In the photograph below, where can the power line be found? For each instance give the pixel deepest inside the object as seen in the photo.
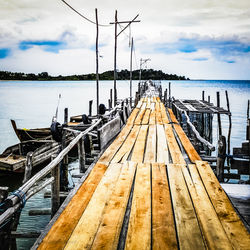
(103, 25)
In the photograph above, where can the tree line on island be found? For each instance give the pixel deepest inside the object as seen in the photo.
(107, 75)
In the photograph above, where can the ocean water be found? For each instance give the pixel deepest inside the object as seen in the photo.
(32, 104)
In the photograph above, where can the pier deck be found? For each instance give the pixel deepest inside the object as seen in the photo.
(149, 189)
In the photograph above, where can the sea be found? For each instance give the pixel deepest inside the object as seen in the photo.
(32, 104)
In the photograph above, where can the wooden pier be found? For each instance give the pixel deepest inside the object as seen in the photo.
(148, 190)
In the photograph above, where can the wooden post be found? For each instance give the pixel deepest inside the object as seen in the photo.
(131, 66)
(90, 107)
(28, 167)
(221, 158)
(111, 97)
(229, 128)
(81, 155)
(208, 98)
(66, 115)
(218, 115)
(169, 95)
(203, 95)
(248, 122)
(55, 188)
(110, 104)
(97, 63)
(115, 97)
(64, 167)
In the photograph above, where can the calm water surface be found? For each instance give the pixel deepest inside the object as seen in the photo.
(33, 104)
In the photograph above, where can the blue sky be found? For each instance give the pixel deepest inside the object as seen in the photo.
(198, 39)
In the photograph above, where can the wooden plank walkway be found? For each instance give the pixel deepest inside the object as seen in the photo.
(149, 189)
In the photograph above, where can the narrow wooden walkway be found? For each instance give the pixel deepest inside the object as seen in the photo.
(149, 189)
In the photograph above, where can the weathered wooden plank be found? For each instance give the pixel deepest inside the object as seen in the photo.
(139, 117)
(144, 105)
(188, 230)
(210, 224)
(145, 119)
(108, 233)
(163, 226)
(189, 148)
(232, 224)
(83, 235)
(152, 119)
(152, 105)
(140, 144)
(162, 148)
(127, 145)
(164, 116)
(65, 226)
(132, 117)
(150, 151)
(109, 131)
(172, 116)
(115, 146)
(139, 229)
(173, 146)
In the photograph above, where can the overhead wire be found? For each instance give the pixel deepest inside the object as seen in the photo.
(103, 25)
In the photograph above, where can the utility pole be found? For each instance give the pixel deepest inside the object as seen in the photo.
(115, 49)
(97, 64)
(131, 56)
(142, 62)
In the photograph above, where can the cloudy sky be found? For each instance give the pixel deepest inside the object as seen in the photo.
(201, 39)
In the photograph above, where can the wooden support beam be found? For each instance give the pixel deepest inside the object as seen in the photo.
(221, 158)
(55, 189)
(81, 155)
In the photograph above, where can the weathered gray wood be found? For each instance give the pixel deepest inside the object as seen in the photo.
(90, 107)
(229, 128)
(221, 158)
(81, 155)
(109, 131)
(15, 234)
(42, 211)
(218, 114)
(97, 62)
(28, 167)
(66, 115)
(55, 188)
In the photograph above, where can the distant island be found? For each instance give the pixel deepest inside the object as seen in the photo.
(107, 75)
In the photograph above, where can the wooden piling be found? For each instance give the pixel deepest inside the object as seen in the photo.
(221, 158)
(203, 95)
(64, 166)
(97, 62)
(81, 155)
(90, 107)
(169, 95)
(66, 115)
(229, 128)
(28, 167)
(111, 97)
(218, 114)
(55, 188)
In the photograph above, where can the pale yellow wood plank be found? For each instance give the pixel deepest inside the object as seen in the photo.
(150, 151)
(152, 120)
(127, 145)
(232, 224)
(144, 105)
(146, 116)
(139, 229)
(162, 148)
(173, 146)
(84, 233)
(163, 226)
(152, 106)
(189, 148)
(188, 230)
(140, 144)
(115, 146)
(164, 116)
(209, 221)
(139, 117)
(108, 233)
(65, 226)
(132, 117)
(172, 116)
(139, 104)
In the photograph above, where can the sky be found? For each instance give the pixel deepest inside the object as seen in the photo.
(199, 39)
